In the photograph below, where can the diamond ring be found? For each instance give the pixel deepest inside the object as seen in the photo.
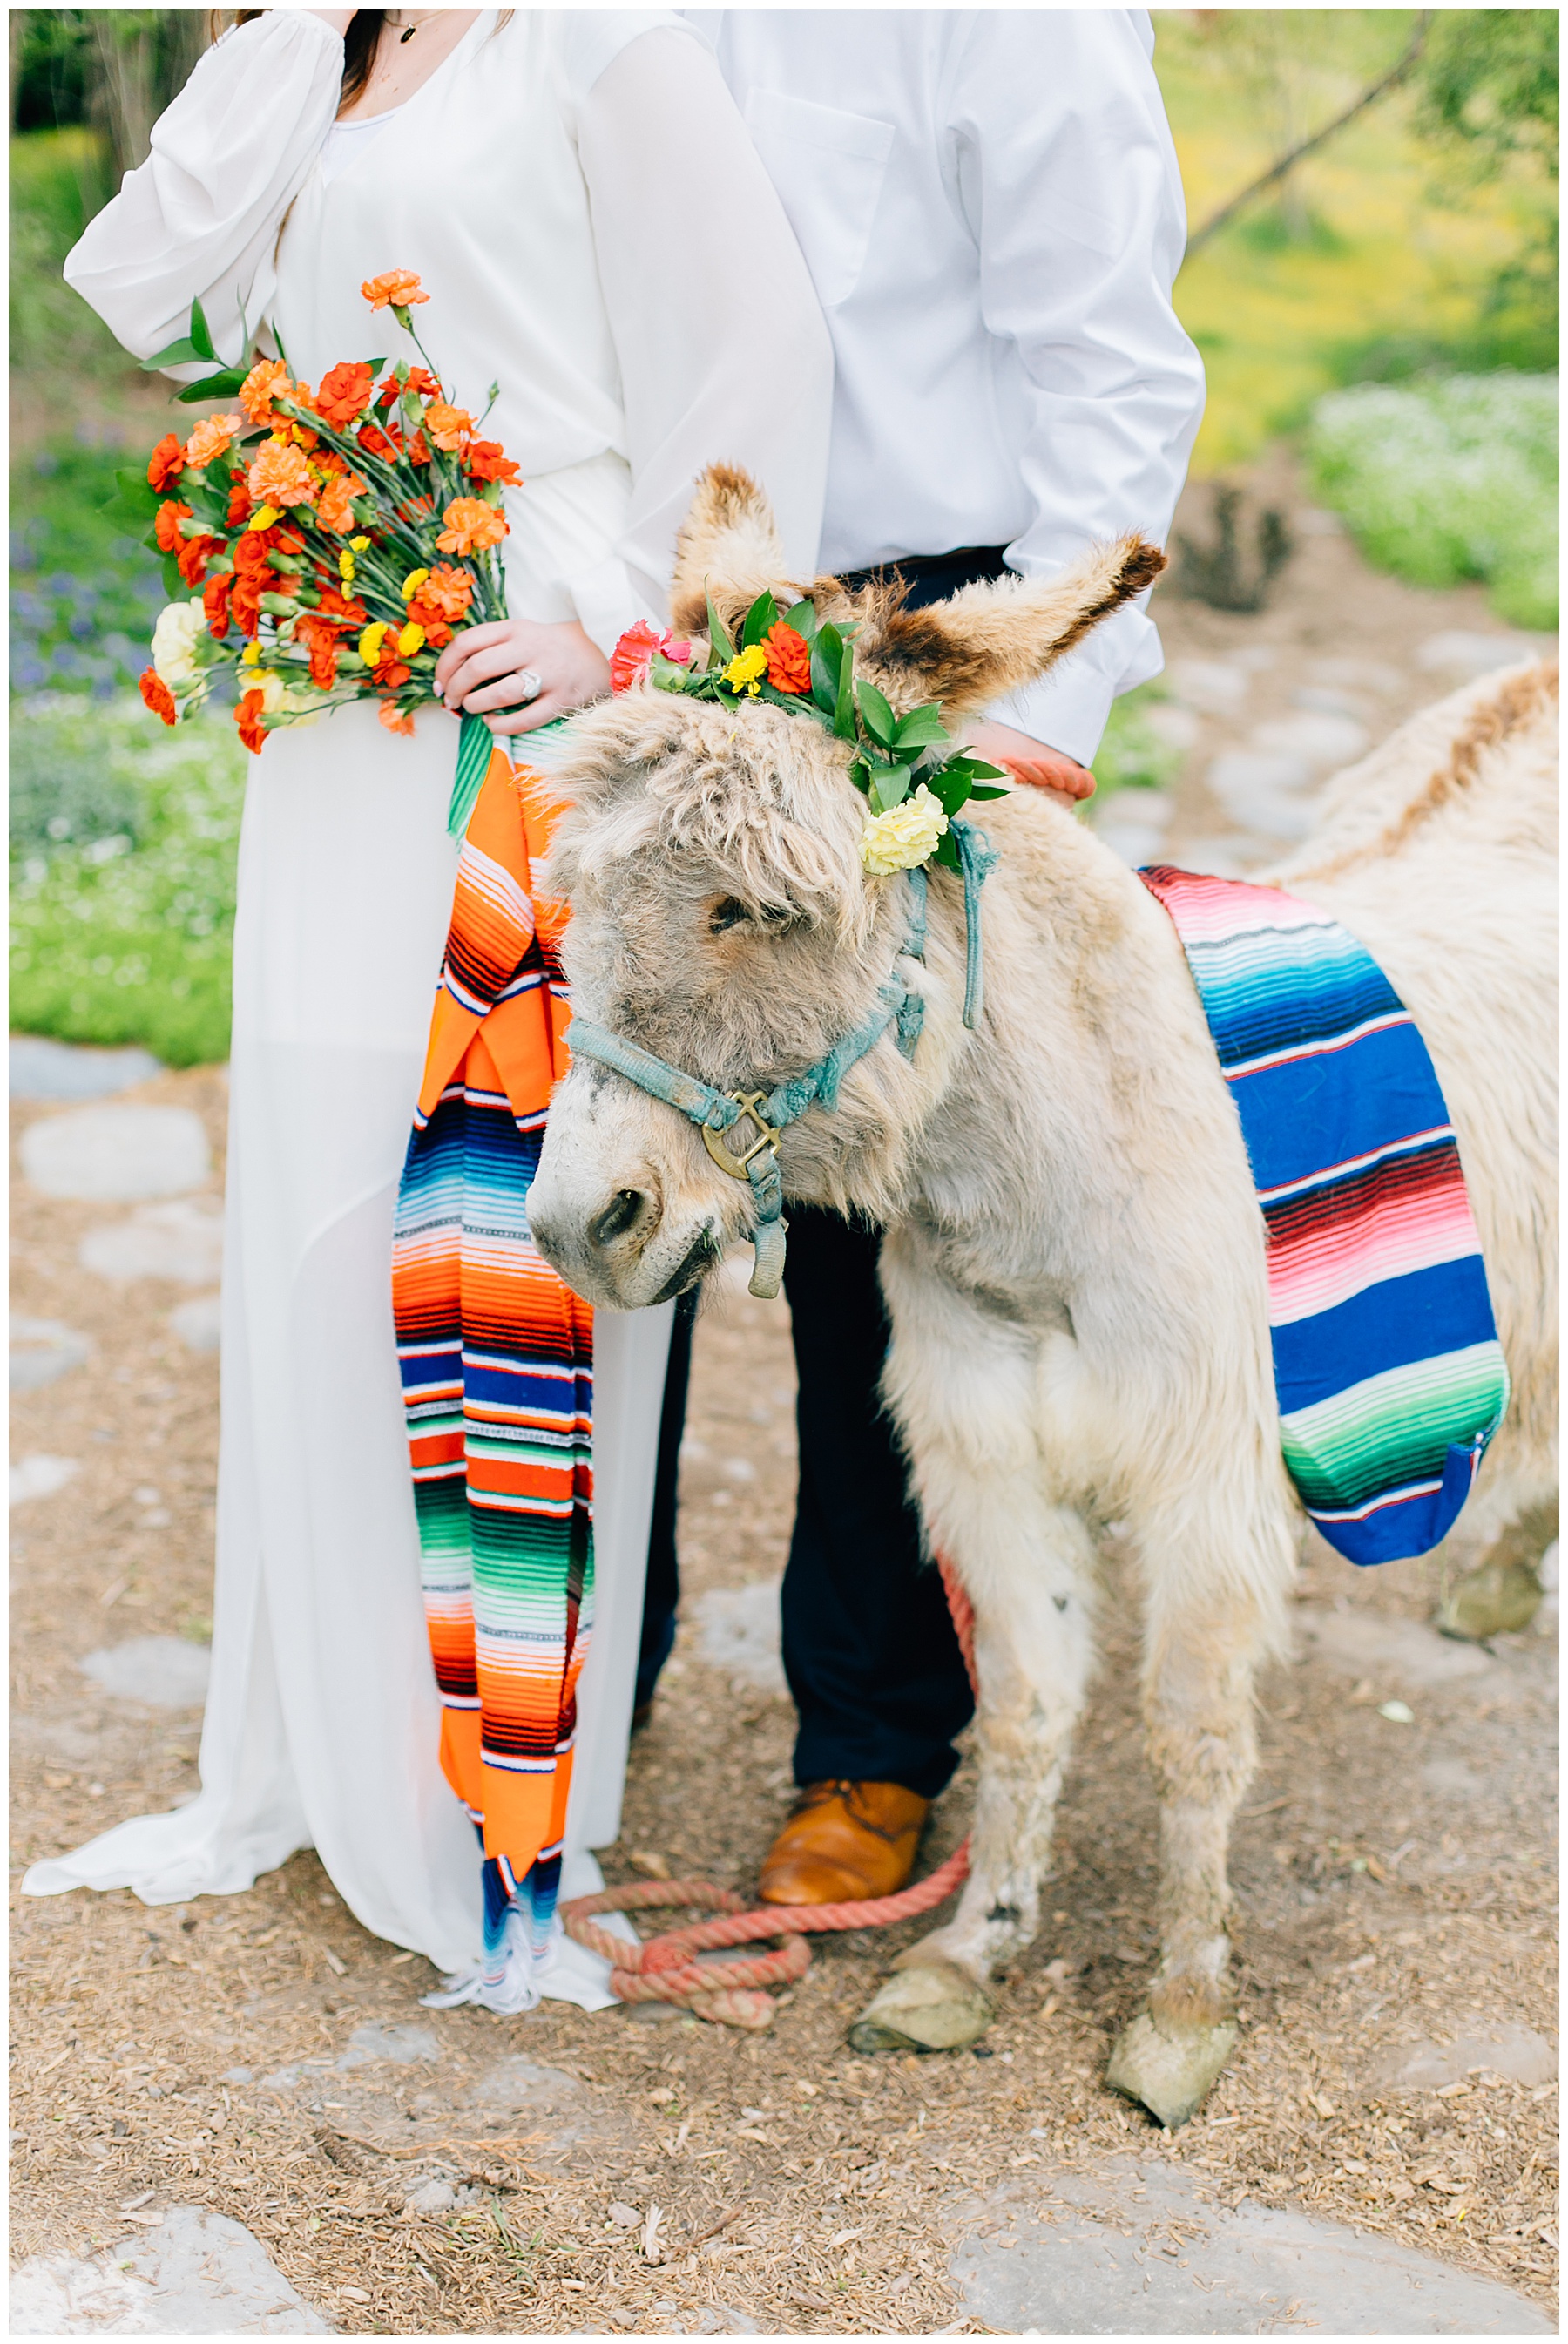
(530, 683)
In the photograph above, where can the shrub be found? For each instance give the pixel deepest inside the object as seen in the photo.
(1450, 479)
(124, 845)
(1133, 755)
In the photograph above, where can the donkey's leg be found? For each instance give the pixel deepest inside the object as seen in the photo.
(965, 1393)
(1210, 1622)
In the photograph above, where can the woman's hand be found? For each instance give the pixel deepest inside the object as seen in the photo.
(486, 672)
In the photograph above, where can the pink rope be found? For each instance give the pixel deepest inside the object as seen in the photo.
(666, 1969)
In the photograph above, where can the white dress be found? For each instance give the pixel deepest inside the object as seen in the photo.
(594, 232)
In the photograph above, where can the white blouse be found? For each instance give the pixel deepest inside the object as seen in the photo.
(596, 234)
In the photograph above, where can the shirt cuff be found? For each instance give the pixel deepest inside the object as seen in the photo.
(604, 601)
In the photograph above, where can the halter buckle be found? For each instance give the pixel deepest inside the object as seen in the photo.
(751, 1105)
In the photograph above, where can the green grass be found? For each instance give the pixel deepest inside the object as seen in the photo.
(124, 839)
(1133, 756)
(1451, 479)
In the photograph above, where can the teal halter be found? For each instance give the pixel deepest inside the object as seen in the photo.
(715, 1112)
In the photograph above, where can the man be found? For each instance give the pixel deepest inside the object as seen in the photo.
(990, 208)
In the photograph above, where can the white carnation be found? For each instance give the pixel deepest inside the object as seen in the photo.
(180, 627)
(905, 835)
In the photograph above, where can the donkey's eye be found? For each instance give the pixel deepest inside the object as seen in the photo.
(772, 920)
(729, 912)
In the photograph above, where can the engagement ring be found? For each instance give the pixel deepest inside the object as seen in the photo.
(530, 682)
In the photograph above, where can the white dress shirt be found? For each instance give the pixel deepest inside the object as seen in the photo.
(990, 206)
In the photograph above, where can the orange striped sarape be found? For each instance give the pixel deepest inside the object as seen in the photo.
(496, 1357)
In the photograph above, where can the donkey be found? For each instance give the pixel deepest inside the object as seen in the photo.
(1074, 1256)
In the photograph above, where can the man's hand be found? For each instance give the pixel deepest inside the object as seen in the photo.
(483, 672)
(1066, 781)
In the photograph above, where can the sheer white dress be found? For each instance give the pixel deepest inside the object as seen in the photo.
(596, 234)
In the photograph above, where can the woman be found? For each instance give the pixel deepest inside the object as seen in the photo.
(594, 232)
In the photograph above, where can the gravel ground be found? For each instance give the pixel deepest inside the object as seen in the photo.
(1393, 1879)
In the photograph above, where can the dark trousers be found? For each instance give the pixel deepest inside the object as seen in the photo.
(870, 1648)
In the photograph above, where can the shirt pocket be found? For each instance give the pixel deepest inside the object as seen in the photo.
(828, 167)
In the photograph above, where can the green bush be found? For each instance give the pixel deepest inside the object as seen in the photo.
(1132, 755)
(1450, 479)
(124, 845)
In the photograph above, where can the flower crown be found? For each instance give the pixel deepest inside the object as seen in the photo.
(805, 665)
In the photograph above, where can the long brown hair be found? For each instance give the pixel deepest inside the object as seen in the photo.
(359, 43)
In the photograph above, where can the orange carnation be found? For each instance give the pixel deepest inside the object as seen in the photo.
(449, 590)
(167, 525)
(268, 381)
(319, 638)
(470, 526)
(239, 505)
(396, 288)
(376, 443)
(335, 511)
(194, 555)
(345, 393)
(214, 596)
(158, 695)
(247, 722)
(421, 383)
(395, 718)
(788, 659)
(486, 459)
(448, 427)
(166, 462)
(280, 475)
(210, 438)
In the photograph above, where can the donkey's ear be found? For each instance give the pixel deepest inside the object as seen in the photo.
(993, 638)
(728, 547)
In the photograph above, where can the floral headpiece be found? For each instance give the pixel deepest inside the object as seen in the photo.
(805, 665)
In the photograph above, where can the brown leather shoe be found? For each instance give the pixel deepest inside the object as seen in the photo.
(843, 1841)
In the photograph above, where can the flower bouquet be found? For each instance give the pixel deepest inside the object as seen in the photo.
(914, 780)
(338, 537)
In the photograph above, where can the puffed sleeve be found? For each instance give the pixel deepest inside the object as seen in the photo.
(200, 218)
(1069, 178)
(723, 352)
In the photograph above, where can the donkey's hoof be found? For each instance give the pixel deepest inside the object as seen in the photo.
(930, 2006)
(1494, 1600)
(1169, 2069)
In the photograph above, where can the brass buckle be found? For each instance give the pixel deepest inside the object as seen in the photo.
(751, 1103)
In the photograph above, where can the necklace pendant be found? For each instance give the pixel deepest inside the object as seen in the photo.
(406, 36)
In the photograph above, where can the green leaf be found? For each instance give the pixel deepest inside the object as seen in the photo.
(223, 385)
(719, 636)
(667, 675)
(194, 346)
(827, 654)
(763, 614)
(860, 773)
(950, 789)
(134, 501)
(175, 586)
(983, 790)
(844, 710)
(199, 334)
(889, 787)
(802, 617)
(945, 852)
(924, 724)
(879, 716)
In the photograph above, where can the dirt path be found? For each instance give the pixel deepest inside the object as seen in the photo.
(1395, 1879)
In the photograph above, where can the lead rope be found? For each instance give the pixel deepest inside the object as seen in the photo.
(666, 1969)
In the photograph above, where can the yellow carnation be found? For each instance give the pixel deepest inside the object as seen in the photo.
(370, 642)
(409, 640)
(346, 566)
(412, 583)
(904, 837)
(746, 671)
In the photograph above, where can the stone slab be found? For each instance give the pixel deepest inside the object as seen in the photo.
(161, 1672)
(42, 1069)
(1382, 1645)
(401, 2046)
(1461, 654)
(1490, 2047)
(1085, 2258)
(123, 1152)
(43, 1349)
(198, 1323)
(182, 1242)
(1216, 687)
(1319, 739)
(40, 1476)
(741, 1632)
(197, 2274)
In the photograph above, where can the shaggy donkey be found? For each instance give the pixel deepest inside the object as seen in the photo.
(1074, 1260)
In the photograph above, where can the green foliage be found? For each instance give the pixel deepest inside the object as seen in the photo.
(1444, 481)
(1132, 755)
(1487, 82)
(85, 590)
(124, 843)
(59, 178)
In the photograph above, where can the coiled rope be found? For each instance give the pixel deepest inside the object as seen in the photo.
(734, 1994)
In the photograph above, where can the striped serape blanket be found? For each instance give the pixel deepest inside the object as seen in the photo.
(497, 1359)
(1389, 1376)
